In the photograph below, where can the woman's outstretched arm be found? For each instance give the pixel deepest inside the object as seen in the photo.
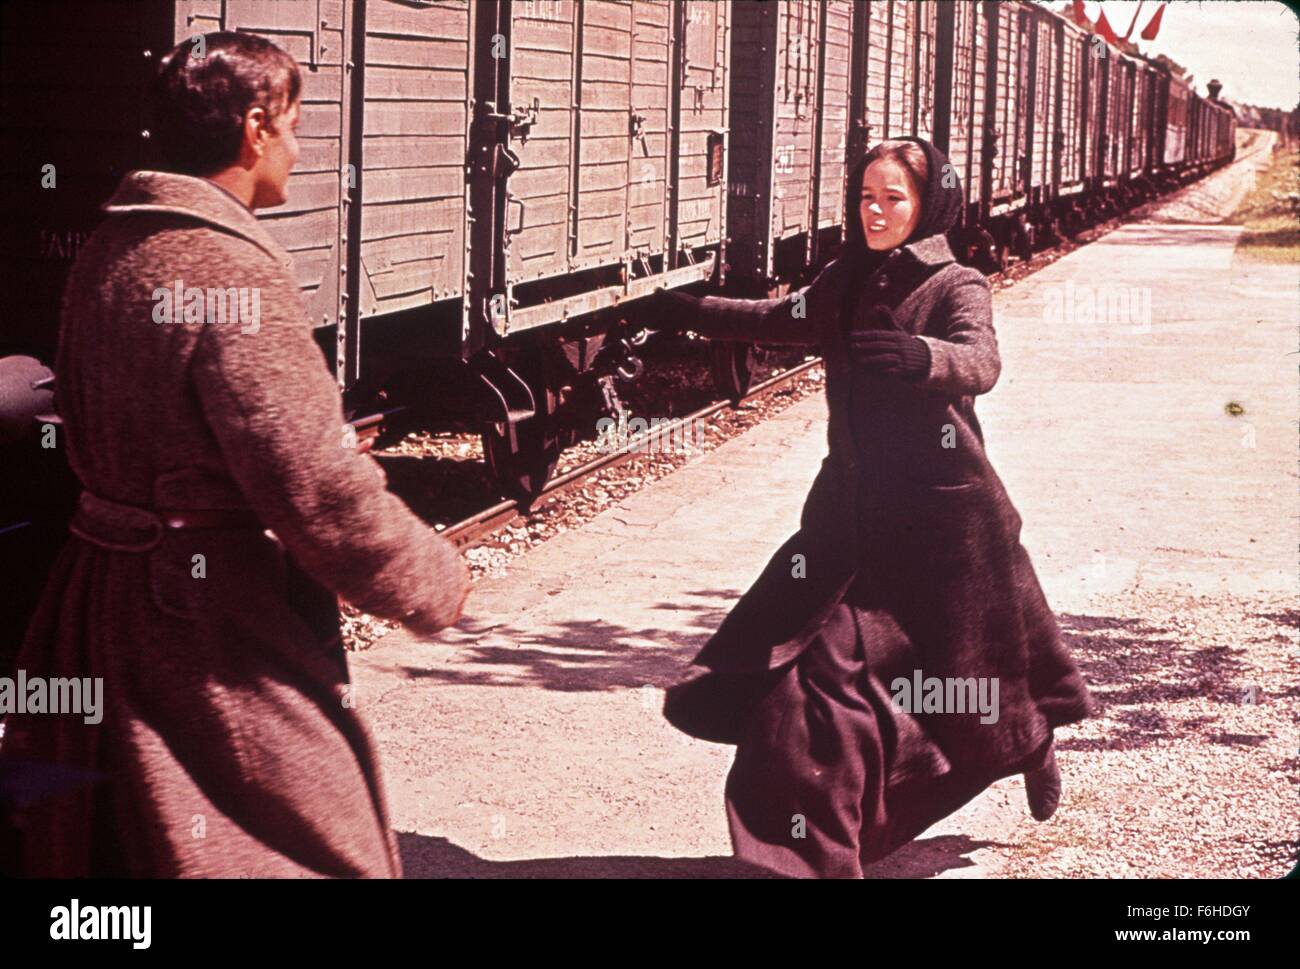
(964, 358)
(791, 320)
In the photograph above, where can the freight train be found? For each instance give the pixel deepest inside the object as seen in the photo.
(488, 190)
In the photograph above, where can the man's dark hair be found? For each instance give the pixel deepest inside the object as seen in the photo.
(205, 86)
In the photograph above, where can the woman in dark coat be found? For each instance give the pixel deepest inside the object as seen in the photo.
(907, 570)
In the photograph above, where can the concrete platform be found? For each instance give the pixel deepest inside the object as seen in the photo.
(528, 742)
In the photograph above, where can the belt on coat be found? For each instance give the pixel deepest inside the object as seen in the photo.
(129, 528)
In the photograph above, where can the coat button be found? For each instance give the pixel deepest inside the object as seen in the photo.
(882, 282)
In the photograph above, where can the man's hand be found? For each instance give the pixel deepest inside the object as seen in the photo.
(430, 621)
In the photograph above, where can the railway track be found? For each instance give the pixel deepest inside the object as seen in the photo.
(470, 531)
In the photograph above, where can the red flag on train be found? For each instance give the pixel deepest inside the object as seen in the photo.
(1153, 28)
(1103, 28)
(1080, 17)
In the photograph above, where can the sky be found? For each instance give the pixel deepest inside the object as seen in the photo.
(1249, 45)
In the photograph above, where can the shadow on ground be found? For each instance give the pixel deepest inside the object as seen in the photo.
(581, 655)
(1134, 666)
(426, 856)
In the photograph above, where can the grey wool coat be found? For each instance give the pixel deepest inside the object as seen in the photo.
(230, 742)
(905, 503)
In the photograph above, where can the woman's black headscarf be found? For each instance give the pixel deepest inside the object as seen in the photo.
(941, 206)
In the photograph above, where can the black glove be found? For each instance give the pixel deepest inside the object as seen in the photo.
(672, 310)
(889, 352)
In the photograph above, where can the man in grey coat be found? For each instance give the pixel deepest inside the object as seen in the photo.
(225, 504)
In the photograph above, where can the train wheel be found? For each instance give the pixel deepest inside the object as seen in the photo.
(521, 470)
(733, 368)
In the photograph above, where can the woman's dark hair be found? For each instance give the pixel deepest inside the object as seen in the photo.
(205, 86)
(909, 155)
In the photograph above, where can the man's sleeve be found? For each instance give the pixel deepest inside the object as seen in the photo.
(277, 415)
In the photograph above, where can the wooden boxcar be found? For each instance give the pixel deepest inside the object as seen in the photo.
(1044, 92)
(615, 114)
(1174, 121)
(893, 88)
(1008, 106)
(789, 115)
(1118, 89)
(962, 96)
(486, 188)
(480, 185)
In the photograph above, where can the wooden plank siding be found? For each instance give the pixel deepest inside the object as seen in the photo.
(605, 146)
(542, 66)
(884, 87)
(307, 224)
(593, 188)
(417, 64)
(1143, 118)
(966, 124)
(1093, 67)
(701, 213)
(900, 77)
(782, 184)
(834, 120)
(922, 90)
(750, 162)
(795, 119)
(1008, 65)
(897, 49)
(588, 193)
(1124, 116)
(1070, 141)
(1175, 137)
(1117, 114)
(647, 210)
(1045, 95)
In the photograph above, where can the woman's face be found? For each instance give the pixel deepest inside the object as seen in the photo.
(890, 206)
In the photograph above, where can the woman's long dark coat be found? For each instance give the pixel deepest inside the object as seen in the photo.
(907, 502)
